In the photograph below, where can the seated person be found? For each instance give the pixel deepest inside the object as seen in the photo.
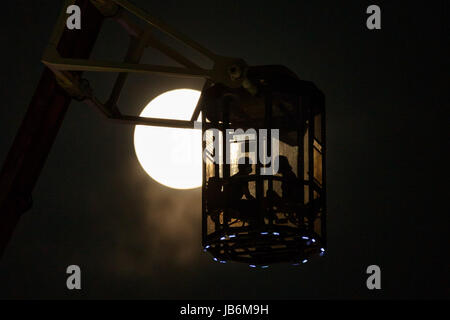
(236, 190)
(290, 186)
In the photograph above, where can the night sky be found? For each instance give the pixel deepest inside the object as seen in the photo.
(387, 102)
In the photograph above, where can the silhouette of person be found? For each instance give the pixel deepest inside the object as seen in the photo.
(289, 184)
(237, 189)
(240, 187)
(291, 187)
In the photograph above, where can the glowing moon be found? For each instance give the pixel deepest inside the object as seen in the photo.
(171, 156)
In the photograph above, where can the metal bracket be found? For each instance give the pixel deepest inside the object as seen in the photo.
(228, 71)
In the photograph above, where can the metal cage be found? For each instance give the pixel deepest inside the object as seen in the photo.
(280, 216)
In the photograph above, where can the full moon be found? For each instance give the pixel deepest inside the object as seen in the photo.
(171, 156)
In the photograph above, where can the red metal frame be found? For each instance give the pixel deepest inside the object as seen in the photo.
(40, 126)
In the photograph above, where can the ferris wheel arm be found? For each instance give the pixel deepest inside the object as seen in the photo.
(228, 71)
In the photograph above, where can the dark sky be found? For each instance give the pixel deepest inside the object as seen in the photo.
(387, 94)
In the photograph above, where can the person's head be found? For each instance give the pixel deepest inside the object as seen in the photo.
(244, 166)
(283, 164)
